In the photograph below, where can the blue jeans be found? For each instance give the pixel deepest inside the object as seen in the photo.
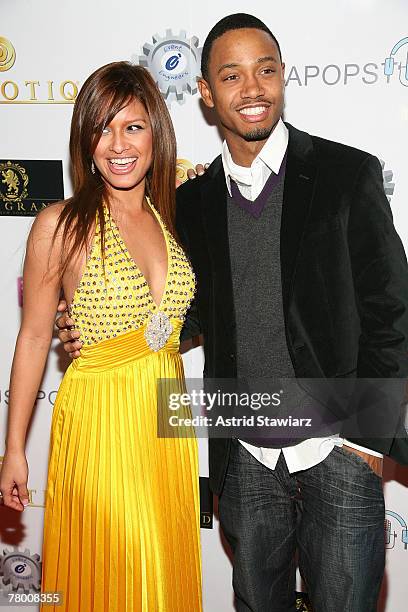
(332, 514)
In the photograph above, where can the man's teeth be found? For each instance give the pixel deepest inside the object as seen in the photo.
(256, 110)
(122, 161)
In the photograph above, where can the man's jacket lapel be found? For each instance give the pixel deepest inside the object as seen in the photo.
(297, 199)
(214, 200)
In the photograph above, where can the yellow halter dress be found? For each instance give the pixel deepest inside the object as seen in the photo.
(121, 526)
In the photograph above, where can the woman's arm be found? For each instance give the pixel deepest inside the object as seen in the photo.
(41, 291)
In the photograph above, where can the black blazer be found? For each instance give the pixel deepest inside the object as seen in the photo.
(344, 274)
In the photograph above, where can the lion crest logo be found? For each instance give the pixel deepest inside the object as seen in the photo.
(13, 182)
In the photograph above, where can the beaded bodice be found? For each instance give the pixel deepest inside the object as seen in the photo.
(115, 298)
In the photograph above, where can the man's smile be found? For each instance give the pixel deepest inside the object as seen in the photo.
(254, 113)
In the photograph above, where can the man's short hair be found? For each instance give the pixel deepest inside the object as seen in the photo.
(237, 21)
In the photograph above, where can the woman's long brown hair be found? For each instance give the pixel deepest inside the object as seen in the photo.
(103, 95)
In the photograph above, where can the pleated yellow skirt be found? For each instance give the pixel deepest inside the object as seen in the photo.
(121, 527)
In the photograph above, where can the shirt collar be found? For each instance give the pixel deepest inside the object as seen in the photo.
(271, 154)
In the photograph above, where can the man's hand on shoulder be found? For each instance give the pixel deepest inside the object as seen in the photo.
(199, 170)
(192, 173)
(70, 337)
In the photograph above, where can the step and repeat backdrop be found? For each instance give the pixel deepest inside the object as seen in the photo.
(346, 80)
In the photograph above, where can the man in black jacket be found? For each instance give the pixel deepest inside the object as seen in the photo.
(300, 275)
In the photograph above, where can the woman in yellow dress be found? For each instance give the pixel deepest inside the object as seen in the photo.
(121, 527)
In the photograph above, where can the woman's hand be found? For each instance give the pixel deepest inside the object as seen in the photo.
(13, 480)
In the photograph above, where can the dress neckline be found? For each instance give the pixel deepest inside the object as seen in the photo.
(132, 260)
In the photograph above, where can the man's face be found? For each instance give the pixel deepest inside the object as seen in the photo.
(245, 84)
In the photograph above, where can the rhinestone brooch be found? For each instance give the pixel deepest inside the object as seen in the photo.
(158, 330)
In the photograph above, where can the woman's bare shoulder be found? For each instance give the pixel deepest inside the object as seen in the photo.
(47, 219)
(49, 216)
(43, 230)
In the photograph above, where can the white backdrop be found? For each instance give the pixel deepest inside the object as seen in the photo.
(336, 88)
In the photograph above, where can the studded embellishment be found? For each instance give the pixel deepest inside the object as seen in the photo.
(158, 330)
(113, 297)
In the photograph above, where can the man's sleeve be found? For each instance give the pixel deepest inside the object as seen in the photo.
(191, 327)
(380, 276)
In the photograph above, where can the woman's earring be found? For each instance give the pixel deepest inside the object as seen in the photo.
(93, 167)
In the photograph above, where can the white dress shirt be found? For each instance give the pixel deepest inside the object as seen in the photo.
(250, 182)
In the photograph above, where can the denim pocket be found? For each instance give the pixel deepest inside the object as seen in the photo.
(356, 460)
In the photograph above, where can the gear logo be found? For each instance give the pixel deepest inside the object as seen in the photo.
(19, 570)
(174, 63)
(389, 186)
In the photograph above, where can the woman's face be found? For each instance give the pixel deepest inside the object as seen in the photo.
(124, 152)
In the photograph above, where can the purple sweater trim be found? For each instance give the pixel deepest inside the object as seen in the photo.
(256, 207)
